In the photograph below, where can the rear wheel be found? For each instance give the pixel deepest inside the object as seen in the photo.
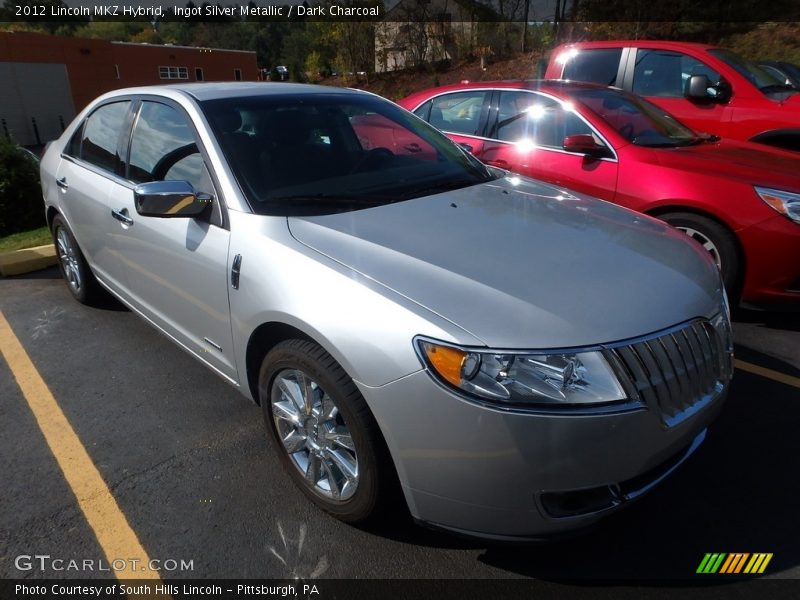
(326, 436)
(80, 280)
(717, 240)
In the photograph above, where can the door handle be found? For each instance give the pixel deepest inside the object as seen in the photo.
(466, 147)
(122, 216)
(62, 183)
(503, 164)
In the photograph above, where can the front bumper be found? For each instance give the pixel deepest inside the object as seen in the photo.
(773, 269)
(501, 475)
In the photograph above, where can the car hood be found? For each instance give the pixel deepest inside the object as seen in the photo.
(754, 164)
(519, 264)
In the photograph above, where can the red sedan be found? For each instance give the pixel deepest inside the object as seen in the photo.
(740, 200)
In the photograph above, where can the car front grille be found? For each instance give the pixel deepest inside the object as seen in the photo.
(676, 372)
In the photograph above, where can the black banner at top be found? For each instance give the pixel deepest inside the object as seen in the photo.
(531, 11)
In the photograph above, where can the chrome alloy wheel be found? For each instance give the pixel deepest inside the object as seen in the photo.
(703, 240)
(67, 255)
(314, 435)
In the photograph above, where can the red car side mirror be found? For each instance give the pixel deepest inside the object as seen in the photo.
(584, 143)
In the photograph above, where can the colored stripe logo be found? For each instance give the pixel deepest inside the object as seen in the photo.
(733, 563)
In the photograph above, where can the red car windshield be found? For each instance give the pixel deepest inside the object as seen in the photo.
(636, 120)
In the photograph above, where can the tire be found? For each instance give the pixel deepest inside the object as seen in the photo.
(357, 465)
(719, 242)
(80, 280)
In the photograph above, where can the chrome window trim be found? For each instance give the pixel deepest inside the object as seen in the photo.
(614, 159)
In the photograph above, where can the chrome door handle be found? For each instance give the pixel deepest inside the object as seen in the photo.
(62, 183)
(122, 216)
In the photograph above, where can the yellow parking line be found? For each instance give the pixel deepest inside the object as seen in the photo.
(114, 534)
(768, 373)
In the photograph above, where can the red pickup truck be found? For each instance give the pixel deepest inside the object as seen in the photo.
(708, 88)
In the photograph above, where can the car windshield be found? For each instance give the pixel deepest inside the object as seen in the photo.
(635, 119)
(761, 78)
(323, 153)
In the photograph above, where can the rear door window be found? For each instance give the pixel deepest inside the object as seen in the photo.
(100, 136)
(596, 65)
(459, 112)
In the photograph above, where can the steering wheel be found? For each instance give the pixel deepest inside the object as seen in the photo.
(170, 159)
(372, 159)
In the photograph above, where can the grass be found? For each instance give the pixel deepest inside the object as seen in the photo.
(26, 239)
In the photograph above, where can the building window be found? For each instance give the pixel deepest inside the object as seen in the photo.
(173, 72)
(198, 74)
(237, 74)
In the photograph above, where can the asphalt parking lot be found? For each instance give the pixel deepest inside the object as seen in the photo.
(185, 459)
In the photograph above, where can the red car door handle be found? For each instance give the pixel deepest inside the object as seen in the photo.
(503, 164)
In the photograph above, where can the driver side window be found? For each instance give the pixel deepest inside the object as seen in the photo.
(163, 149)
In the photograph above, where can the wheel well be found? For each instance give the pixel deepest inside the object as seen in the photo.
(50, 215)
(262, 340)
(787, 139)
(662, 210)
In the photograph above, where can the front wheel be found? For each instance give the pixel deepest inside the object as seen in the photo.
(326, 436)
(717, 240)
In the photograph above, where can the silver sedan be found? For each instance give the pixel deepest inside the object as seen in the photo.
(517, 360)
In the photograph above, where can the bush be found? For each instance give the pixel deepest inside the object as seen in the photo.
(21, 207)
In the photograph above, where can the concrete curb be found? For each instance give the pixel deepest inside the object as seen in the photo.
(18, 262)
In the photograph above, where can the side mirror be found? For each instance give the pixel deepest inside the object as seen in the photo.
(584, 143)
(169, 199)
(698, 87)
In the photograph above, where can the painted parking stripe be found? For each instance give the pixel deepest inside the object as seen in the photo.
(114, 534)
(768, 373)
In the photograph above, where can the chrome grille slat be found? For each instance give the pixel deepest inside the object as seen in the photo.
(656, 374)
(674, 371)
(694, 352)
(702, 343)
(687, 377)
(637, 374)
(714, 350)
(675, 375)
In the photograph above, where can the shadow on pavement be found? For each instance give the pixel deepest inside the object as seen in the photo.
(788, 321)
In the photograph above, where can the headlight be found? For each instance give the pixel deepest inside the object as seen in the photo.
(786, 203)
(548, 380)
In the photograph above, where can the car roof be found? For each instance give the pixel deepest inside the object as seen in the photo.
(554, 86)
(665, 44)
(235, 89)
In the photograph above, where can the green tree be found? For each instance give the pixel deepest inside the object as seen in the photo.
(20, 194)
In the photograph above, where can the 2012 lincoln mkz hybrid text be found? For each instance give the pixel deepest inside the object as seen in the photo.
(521, 359)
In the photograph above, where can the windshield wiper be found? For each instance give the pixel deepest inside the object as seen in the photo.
(438, 188)
(322, 198)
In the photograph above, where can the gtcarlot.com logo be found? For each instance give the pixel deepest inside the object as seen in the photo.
(44, 562)
(734, 563)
